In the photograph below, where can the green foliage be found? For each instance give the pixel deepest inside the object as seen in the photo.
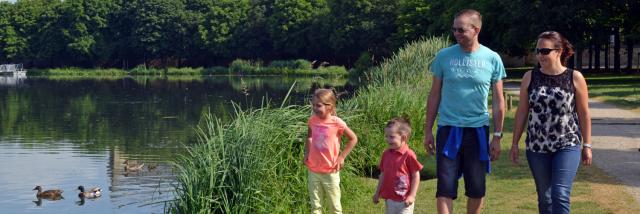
(397, 87)
(291, 64)
(166, 33)
(244, 66)
(253, 164)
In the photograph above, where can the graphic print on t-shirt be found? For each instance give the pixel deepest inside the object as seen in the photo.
(401, 186)
(466, 67)
(319, 136)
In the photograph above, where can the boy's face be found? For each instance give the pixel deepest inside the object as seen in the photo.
(395, 139)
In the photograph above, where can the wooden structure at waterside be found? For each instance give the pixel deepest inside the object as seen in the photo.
(12, 69)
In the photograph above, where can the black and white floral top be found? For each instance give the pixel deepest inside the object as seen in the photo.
(553, 120)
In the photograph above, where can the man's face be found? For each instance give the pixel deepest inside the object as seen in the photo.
(463, 30)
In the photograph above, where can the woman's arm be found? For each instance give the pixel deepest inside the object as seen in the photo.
(521, 116)
(582, 107)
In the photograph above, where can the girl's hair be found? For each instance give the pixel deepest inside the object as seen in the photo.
(559, 42)
(326, 97)
(400, 124)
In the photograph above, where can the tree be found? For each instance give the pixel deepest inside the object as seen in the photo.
(157, 29)
(9, 40)
(361, 25)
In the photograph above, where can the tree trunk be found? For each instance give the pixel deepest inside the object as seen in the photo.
(606, 55)
(591, 55)
(629, 55)
(597, 56)
(570, 62)
(616, 50)
(579, 51)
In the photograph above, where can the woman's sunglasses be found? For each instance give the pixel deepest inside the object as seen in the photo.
(545, 51)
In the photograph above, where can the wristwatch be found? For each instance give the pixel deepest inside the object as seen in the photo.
(497, 134)
(588, 145)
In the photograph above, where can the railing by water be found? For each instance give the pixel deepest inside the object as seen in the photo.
(15, 69)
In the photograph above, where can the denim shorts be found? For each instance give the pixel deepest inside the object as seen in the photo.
(467, 164)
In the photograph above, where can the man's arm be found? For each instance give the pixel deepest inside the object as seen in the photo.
(498, 118)
(432, 110)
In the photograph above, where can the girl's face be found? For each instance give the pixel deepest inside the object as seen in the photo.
(320, 109)
(546, 52)
(394, 138)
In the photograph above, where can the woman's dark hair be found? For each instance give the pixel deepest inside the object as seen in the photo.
(559, 42)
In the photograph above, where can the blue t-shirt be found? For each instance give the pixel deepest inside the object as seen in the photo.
(466, 80)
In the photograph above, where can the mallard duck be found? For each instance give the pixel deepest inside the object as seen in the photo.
(53, 193)
(132, 167)
(92, 193)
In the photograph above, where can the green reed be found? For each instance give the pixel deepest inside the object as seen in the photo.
(253, 163)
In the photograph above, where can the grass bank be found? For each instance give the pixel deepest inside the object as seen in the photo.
(298, 67)
(254, 163)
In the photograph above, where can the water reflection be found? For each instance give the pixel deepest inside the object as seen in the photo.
(65, 132)
(12, 80)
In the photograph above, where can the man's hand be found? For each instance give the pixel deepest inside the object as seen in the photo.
(495, 149)
(429, 144)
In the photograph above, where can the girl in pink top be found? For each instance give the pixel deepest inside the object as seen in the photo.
(322, 154)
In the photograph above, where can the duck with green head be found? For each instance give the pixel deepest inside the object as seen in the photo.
(92, 193)
(133, 167)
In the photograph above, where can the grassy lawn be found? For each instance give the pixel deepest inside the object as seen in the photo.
(510, 188)
(623, 91)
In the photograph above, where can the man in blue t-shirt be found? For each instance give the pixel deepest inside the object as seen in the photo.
(462, 76)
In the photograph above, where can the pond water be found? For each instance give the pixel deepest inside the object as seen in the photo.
(60, 133)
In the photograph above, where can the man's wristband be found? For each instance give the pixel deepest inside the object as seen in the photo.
(497, 134)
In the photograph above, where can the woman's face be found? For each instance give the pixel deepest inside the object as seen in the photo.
(546, 52)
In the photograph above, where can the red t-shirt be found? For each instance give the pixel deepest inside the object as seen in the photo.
(397, 166)
(325, 143)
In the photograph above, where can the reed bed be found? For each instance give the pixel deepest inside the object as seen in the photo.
(253, 163)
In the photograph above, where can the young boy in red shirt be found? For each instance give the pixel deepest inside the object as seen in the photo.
(399, 169)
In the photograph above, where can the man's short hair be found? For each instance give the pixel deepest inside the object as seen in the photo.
(476, 17)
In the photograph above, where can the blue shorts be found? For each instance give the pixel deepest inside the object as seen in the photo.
(467, 163)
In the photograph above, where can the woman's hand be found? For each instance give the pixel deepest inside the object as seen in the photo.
(514, 153)
(586, 156)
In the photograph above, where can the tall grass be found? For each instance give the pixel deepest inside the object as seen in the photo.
(398, 87)
(253, 164)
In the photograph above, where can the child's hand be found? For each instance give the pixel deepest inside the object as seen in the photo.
(409, 201)
(376, 198)
(339, 164)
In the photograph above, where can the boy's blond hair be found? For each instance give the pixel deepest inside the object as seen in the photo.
(400, 124)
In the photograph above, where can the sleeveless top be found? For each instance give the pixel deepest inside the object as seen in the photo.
(553, 119)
